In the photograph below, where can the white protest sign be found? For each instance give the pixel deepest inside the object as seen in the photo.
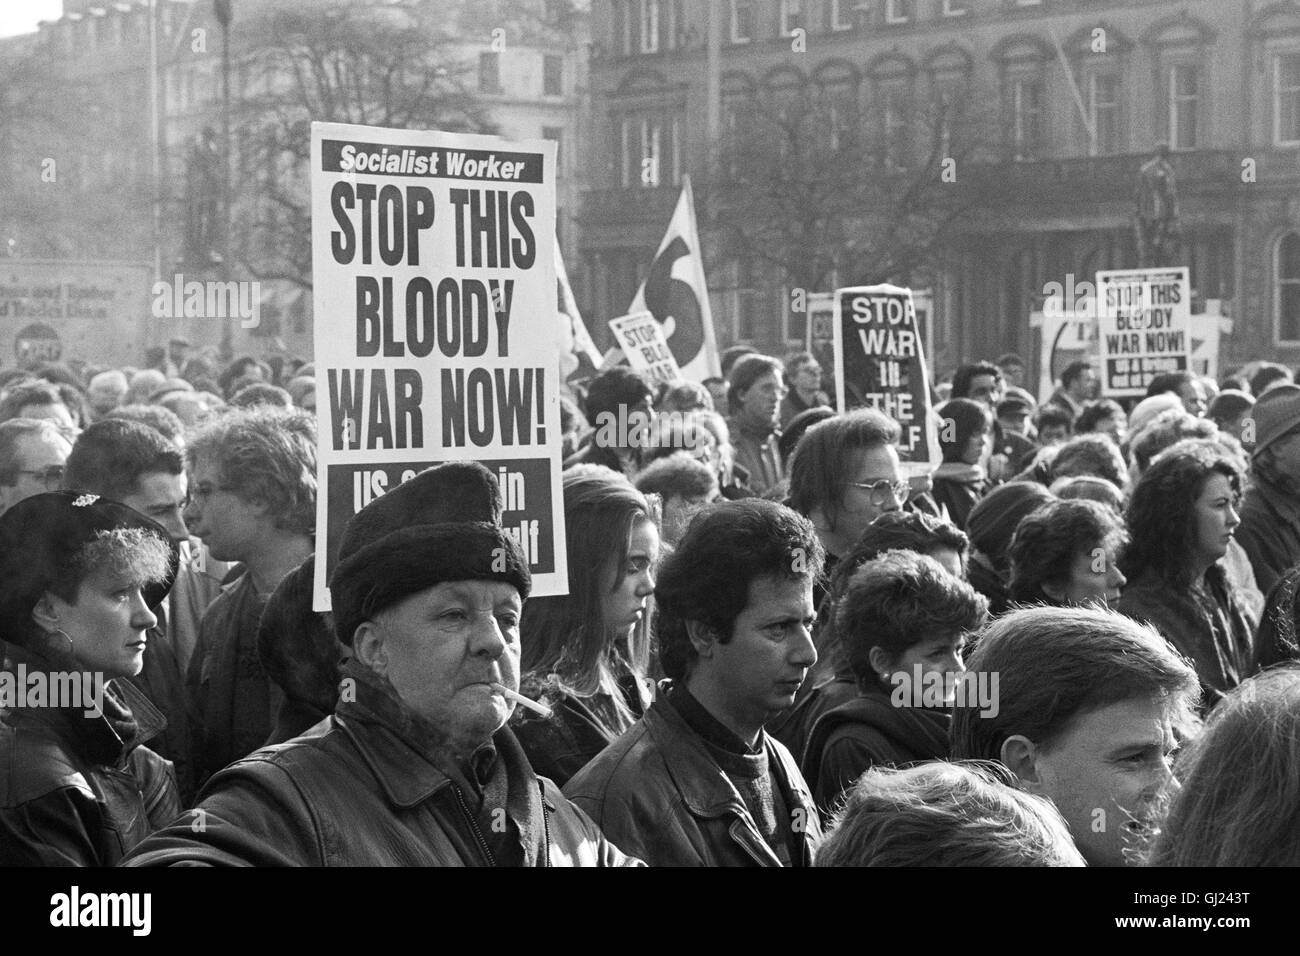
(1144, 327)
(434, 287)
(642, 340)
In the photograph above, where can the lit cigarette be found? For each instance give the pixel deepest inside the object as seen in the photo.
(523, 701)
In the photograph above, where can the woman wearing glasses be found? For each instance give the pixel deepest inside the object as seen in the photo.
(79, 575)
(32, 453)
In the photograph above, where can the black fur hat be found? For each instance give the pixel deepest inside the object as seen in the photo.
(442, 525)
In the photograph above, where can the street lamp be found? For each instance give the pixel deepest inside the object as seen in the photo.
(224, 12)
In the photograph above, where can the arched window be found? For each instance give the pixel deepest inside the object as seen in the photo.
(1286, 272)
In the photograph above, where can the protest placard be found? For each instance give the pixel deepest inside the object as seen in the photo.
(434, 291)
(642, 340)
(1143, 322)
(880, 362)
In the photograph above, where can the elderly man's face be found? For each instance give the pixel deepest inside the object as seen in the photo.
(38, 463)
(442, 648)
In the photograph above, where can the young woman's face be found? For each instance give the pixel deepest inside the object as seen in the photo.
(1094, 578)
(977, 446)
(630, 584)
(1215, 514)
(940, 655)
(106, 623)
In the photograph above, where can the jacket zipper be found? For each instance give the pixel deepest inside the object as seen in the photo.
(473, 825)
(546, 827)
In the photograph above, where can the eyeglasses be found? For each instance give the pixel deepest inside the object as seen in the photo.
(884, 490)
(50, 477)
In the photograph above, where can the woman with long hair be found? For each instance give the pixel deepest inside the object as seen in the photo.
(1239, 800)
(1181, 516)
(585, 655)
(79, 575)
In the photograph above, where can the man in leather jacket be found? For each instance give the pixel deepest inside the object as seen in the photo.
(416, 765)
(697, 781)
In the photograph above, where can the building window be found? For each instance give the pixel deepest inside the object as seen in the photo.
(1184, 100)
(742, 21)
(745, 301)
(898, 11)
(651, 151)
(489, 72)
(791, 16)
(1026, 103)
(954, 8)
(1287, 270)
(1286, 99)
(552, 75)
(896, 122)
(1103, 113)
(649, 26)
(842, 14)
(556, 133)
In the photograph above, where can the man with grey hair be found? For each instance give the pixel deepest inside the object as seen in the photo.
(252, 499)
(32, 455)
(105, 393)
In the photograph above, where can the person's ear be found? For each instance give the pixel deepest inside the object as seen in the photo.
(369, 648)
(880, 662)
(1021, 757)
(703, 638)
(46, 612)
(1054, 591)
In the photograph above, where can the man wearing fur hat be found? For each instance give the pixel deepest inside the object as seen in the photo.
(416, 766)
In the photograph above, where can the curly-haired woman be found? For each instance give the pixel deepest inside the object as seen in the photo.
(1181, 516)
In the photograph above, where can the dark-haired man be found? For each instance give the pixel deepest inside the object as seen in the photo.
(1078, 383)
(754, 397)
(618, 407)
(697, 781)
(1089, 707)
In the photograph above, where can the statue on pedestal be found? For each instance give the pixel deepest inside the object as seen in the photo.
(203, 200)
(1156, 222)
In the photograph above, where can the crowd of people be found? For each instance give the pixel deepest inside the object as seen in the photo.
(782, 645)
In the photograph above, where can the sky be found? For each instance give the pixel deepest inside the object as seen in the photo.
(21, 16)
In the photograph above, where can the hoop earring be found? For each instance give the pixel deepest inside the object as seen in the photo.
(72, 651)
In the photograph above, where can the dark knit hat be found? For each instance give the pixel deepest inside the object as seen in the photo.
(442, 525)
(41, 536)
(993, 520)
(1276, 413)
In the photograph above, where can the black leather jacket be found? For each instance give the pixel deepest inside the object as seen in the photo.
(78, 790)
(358, 790)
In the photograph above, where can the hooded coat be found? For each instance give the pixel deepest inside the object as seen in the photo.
(870, 731)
